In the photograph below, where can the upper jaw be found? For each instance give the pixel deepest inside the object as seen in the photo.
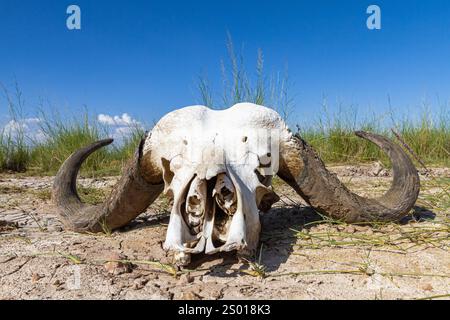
(225, 226)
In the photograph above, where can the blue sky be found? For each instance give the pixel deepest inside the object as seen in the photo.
(143, 57)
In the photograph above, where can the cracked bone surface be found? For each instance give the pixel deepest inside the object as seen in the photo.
(218, 165)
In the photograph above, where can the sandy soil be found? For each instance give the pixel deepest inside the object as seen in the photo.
(303, 256)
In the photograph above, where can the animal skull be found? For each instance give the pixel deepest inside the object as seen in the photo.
(217, 166)
(215, 173)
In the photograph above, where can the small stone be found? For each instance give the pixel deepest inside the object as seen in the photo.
(116, 264)
(54, 228)
(137, 286)
(190, 295)
(349, 229)
(427, 287)
(152, 277)
(361, 228)
(182, 259)
(57, 283)
(376, 169)
(185, 279)
(35, 277)
(139, 283)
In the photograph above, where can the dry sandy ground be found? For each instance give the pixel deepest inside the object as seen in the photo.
(302, 255)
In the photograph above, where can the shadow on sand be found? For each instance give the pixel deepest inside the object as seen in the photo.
(278, 238)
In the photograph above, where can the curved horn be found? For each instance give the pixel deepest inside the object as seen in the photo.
(130, 197)
(302, 169)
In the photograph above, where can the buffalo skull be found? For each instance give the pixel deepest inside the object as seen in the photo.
(217, 166)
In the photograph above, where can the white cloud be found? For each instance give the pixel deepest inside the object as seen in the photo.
(123, 120)
(105, 119)
(32, 120)
(26, 128)
(120, 126)
(14, 127)
(124, 130)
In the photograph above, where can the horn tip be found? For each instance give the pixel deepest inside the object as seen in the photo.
(107, 141)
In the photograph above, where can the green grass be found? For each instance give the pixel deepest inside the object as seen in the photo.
(336, 143)
(240, 85)
(14, 151)
(333, 137)
(92, 196)
(63, 137)
(14, 155)
(58, 138)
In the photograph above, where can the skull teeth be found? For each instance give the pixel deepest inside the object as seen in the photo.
(213, 202)
(196, 204)
(225, 194)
